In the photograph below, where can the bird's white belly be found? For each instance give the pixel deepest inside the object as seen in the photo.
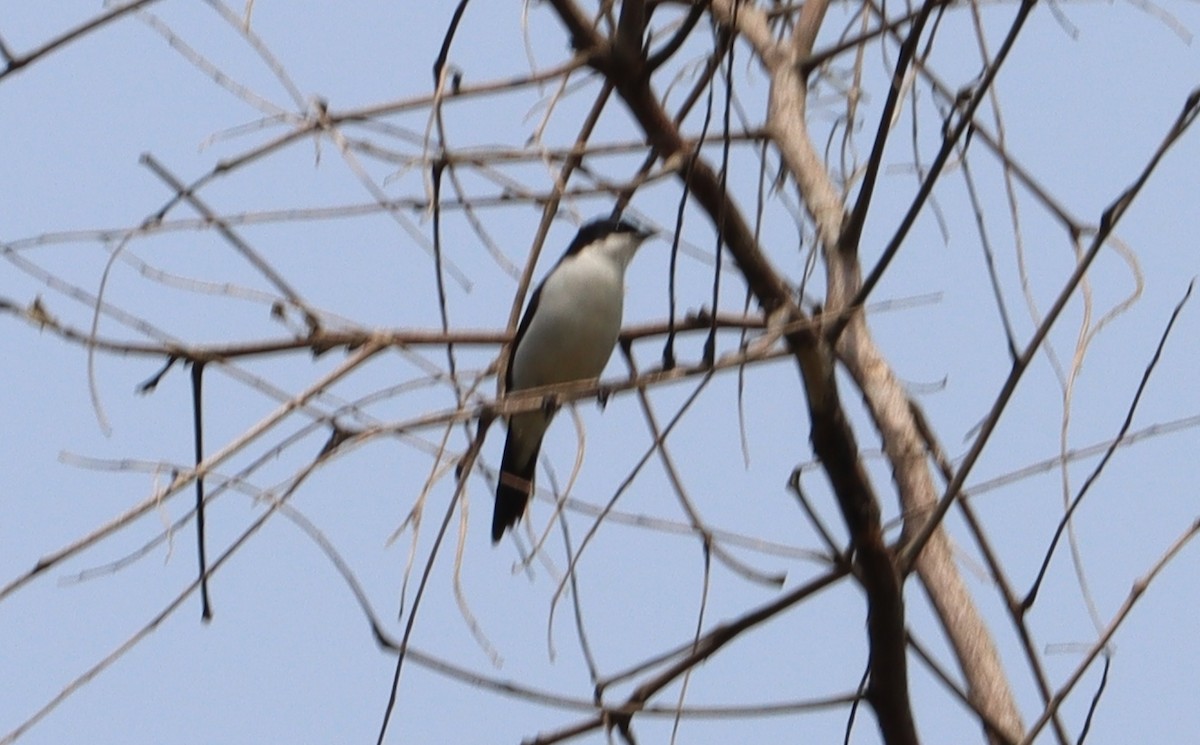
(574, 327)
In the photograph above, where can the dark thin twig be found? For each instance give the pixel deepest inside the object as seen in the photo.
(710, 544)
(1108, 223)
(444, 53)
(853, 227)
(1140, 585)
(706, 583)
(577, 608)
(668, 355)
(1095, 705)
(16, 62)
(198, 434)
(818, 58)
(709, 644)
(796, 485)
(167, 611)
(668, 50)
(935, 170)
(439, 273)
(1031, 596)
(989, 259)
(853, 713)
(434, 550)
(710, 344)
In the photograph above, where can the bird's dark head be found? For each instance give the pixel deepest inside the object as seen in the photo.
(616, 237)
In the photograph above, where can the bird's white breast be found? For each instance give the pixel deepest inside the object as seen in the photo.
(575, 324)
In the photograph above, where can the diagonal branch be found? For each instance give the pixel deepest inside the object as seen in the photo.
(832, 438)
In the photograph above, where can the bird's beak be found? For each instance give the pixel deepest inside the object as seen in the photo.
(645, 233)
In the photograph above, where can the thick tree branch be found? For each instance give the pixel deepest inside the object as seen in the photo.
(883, 394)
(832, 438)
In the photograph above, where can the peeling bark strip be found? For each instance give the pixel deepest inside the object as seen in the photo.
(622, 60)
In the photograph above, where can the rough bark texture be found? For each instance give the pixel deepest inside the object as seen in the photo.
(622, 60)
(883, 394)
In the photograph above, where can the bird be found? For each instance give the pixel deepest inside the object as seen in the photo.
(567, 334)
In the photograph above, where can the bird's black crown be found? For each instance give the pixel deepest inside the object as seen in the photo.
(601, 227)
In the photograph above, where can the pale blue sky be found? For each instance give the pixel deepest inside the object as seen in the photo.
(289, 656)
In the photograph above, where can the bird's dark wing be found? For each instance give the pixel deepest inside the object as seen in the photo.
(521, 329)
(510, 499)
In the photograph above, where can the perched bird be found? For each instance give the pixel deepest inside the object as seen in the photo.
(567, 334)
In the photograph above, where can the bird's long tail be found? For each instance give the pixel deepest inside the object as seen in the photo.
(512, 493)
